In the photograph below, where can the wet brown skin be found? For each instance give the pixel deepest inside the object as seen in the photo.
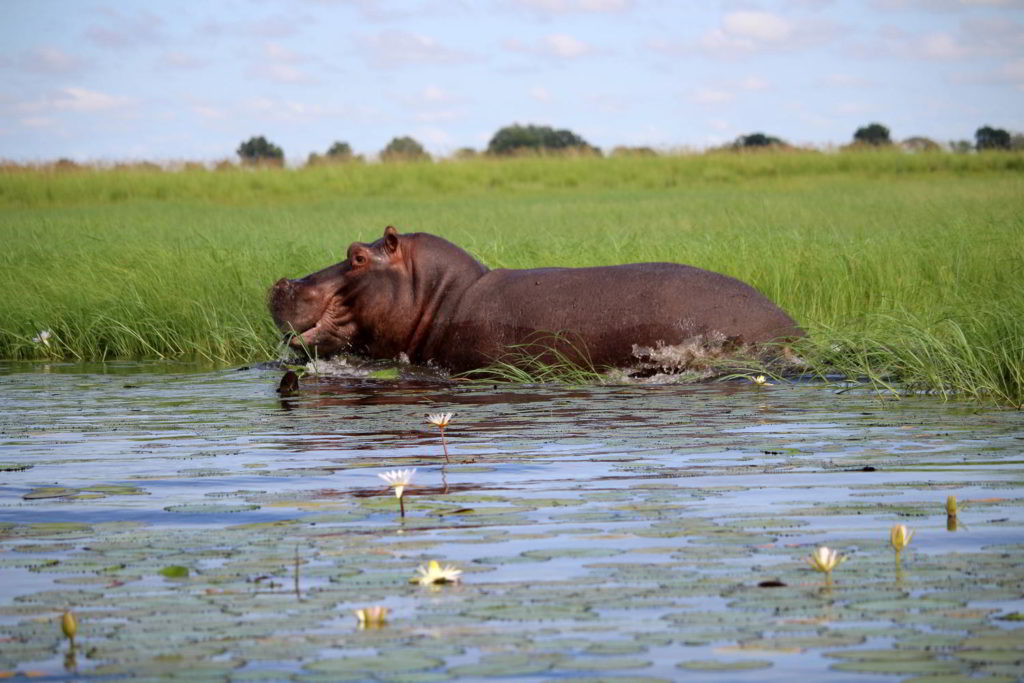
(419, 295)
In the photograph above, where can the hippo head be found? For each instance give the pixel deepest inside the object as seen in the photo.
(322, 313)
(376, 302)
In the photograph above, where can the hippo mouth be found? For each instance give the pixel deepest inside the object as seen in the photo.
(331, 332)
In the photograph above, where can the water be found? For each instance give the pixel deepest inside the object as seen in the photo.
(612, 533)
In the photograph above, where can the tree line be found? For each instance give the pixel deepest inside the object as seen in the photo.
(531, 139)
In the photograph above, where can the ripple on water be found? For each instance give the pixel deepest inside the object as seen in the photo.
(197, 523)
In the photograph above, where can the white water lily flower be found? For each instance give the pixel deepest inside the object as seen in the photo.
(761, 381)
(825, 559)
(399, 479)
(440, 419)
(43, 338)
(435, 573)
(899, 537)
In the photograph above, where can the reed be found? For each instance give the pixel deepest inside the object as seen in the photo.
(905, 269)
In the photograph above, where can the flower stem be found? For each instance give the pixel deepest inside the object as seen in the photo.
(445, 445)
(401, 504)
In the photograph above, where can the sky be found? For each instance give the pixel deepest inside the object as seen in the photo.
(133, 80)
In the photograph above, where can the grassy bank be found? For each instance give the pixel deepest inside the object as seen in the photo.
(904, 268)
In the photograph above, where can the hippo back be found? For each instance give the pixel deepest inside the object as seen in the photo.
(610, 311)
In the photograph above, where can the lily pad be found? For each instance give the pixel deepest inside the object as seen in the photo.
(45, 492)
(395, 662)
(209, 508)
(917, 666)
(722, 665)
(511, 664)
(882, 655)
(604, 664)
(175, 571)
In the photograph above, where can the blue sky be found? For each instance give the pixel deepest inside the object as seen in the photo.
(116, 80)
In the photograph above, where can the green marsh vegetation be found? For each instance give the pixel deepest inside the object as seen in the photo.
(904, 268)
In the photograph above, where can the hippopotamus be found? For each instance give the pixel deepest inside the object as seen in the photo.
(420, 298)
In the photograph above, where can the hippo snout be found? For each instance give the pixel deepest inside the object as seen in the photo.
(298, 305)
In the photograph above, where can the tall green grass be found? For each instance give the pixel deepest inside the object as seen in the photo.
(904, 268)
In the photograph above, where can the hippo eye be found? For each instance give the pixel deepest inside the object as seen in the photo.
(358, 260)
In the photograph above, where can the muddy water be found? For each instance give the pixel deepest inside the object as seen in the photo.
(200, 526)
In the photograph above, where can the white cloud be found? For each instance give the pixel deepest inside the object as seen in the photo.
(941, 46)
(208, 112)
(540, 94)
(758, 26)
(82, 100)
(275, 26)
(280, 64)
(279, 53)
(839, 80)
(38, 122)
(712, 96)
(999, 37)
(178, 59)
(570, 6)
(944, 5)
(434, 104)
(50, 60)
(973, 38)
(1011, 73)
(435, 137)
(853, 108)
(282, 73)
(120, 31)
(610, 103)
(754, 83)
(1014, 72)
(433, 93)
(440, 116)
(747, 32)
(564, 45)
(393, 49)
(555, 46)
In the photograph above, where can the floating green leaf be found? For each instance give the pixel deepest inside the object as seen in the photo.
(175, 571)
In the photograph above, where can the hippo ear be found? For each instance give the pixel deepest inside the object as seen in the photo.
(390, 239)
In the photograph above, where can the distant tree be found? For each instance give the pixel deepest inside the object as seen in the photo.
(919, 143)
(466, 153)
(961, 146)
(872, 134)
(1017, 141)
(258, 150)
(623, 151)
(987, 137)
(515, 138)
(340, 151)
(404, 149)
(758, 140)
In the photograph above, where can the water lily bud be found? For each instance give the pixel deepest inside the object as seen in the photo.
(68, 625)
(372, 617)
(899, 537)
